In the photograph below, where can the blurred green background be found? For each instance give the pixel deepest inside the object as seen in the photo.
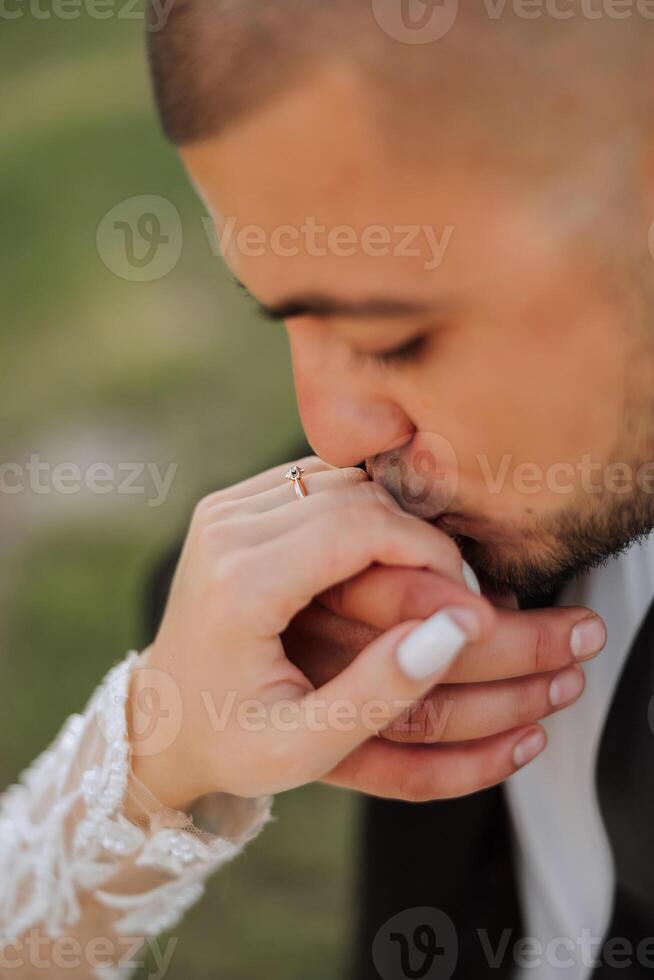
(99, 368)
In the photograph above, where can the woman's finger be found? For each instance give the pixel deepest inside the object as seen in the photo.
(280, 577)
(282, 493)
(239, 527)
(465, 712)
(267, 480)
(418, 773)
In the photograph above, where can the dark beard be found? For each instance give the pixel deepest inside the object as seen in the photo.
(567, 547)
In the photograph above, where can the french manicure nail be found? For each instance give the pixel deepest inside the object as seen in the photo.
(529, 747)
(471, 579)
(587, 638)
(566, 686)
(433, 645)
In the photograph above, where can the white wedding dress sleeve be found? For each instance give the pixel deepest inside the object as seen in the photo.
(73, 867)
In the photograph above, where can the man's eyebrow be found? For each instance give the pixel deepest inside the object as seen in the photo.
(319, 305)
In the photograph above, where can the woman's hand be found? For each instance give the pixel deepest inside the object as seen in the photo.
(218, 706)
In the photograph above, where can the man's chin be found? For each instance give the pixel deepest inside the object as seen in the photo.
(518, 561)
(510, 571)
(536, 558)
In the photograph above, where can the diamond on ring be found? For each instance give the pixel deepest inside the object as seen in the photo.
(295, 476)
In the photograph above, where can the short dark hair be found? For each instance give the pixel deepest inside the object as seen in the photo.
(213, 61)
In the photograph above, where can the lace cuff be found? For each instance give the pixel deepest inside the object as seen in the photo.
(71, 862)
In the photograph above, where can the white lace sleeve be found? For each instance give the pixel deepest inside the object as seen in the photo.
(74, 868)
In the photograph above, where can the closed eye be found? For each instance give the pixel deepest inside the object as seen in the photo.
(407, 353)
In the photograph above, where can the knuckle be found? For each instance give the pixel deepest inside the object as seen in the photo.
(212, 539)
(523, 702)
(424, 722)
(443, 715)
(223, 510)
(541, 646)
(204, 506)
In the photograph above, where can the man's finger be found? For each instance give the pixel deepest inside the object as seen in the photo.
(382, 597)
(418, 773)
(464, 712)
(523, 642)
(322, 645)
(532, 642)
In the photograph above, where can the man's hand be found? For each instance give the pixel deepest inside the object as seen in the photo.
(477, 728)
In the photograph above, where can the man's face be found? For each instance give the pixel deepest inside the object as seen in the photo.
(448, 324)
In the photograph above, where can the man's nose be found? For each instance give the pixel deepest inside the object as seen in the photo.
(346, 418)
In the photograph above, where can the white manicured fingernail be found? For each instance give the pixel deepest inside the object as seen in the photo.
(433, 645)
(471, 579)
